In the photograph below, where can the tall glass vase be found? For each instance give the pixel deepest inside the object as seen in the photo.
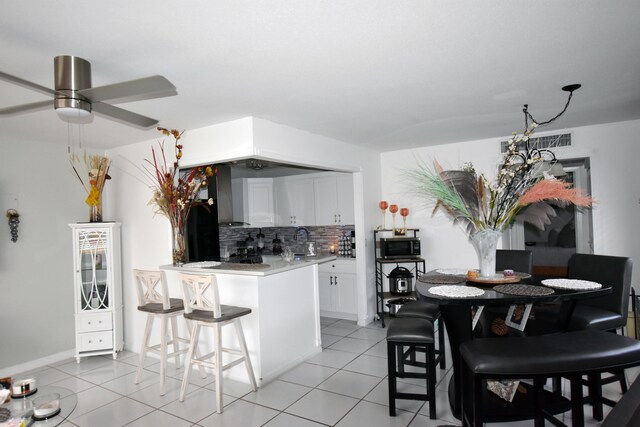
(485, 243)
(179, 246)
(95, 212)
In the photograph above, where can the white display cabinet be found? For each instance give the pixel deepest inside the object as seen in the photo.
(97, 289)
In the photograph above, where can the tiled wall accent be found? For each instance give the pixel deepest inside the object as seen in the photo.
(325, 236)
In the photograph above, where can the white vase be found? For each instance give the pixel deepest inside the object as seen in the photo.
(485, 243)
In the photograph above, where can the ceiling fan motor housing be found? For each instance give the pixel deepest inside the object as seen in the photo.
(72, 74)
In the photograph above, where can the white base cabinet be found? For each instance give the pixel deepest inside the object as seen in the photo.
(97, 289)
(337, 289)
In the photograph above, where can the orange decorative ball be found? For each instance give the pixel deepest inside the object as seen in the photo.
(393, 208)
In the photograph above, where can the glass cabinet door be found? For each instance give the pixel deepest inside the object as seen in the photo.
(93, 256)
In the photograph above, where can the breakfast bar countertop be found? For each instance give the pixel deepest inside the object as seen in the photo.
(272, 264)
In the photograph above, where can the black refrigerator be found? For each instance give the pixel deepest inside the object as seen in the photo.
(203, 233)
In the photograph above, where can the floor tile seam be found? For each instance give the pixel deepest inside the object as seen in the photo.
(102, 406)
(184, 419)
(276, 409)
(359, 354)
(362, 400)
(304, 418)
(353, 397)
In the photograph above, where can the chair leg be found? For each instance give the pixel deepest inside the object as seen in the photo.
(538, 401)
(217, 345)
(163, 353)
(143, 349)
(196, 352)
(391, 371)
(174, 340)
(431, 380)
(441, 346)
(193, 344)
(577, 409)
(245, 353)
(595, 393)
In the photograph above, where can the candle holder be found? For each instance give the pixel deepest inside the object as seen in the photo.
(404, 212)
(393, 209)
(383, 207)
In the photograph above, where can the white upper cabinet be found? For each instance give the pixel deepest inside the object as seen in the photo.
(253, 201)
(294, 201)
(334, 199)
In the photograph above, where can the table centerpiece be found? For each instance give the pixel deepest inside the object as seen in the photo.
(486, 208)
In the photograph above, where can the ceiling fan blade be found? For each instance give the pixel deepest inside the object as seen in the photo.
(24, 83)
(125, 116)
(133, 90)
(26, 108)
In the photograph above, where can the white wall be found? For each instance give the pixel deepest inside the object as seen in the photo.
(36, 272)
(615, 178)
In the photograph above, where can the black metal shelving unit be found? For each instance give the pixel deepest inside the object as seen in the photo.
(418, 268)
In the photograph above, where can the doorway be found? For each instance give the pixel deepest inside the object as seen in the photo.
(569, 232)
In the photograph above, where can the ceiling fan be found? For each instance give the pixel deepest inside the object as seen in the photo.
(73, 96)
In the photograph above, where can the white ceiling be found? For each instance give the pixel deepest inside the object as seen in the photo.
(385, 74)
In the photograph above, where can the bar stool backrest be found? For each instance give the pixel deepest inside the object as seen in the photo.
(200, 292)
(151, 286)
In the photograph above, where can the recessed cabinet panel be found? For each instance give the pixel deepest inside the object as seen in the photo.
(253, 201)
(294, 202)
(334, 199)
(337, 288)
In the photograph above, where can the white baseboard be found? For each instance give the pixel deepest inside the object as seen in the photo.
(37, 363)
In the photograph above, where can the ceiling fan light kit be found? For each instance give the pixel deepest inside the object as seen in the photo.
(73, 96)
(71, 74)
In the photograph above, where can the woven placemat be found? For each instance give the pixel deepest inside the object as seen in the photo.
(447, 279)
(523, 290)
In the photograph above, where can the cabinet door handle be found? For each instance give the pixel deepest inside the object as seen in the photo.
(336, 280)
(88, 323)
(339, 218)
(330, 280)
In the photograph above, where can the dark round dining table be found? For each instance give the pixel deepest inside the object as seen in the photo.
(457, 315)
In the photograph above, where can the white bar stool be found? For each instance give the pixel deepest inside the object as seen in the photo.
(202, 306)
(153, 299)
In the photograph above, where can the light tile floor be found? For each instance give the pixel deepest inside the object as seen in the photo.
(343, 386)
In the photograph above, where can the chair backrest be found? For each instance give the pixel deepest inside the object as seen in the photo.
(200, 292)
(151, 286)
(609, 271)
(513, 259)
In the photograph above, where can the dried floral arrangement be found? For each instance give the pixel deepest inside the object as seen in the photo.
(477, 204)
(174, 192)
(92, 171)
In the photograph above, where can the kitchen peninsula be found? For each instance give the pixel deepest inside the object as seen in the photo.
(283, 328)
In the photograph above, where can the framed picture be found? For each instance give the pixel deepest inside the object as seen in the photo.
(310, 248)
(517, 316)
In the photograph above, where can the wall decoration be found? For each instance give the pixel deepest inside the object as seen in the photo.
(14, 220)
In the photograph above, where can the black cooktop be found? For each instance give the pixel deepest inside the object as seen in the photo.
(251, 258)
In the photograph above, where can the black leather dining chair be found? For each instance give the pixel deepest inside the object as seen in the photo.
(607, 313)
(514, 259)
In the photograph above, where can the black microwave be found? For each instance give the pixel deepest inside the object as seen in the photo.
(399, 247)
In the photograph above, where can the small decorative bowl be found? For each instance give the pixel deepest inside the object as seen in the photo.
(46, 406)
(508, 273)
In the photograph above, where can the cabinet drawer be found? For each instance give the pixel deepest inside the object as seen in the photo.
(94, 322)
(338, 266)
(95, 341)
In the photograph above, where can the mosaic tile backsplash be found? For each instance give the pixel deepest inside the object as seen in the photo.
(324, 236)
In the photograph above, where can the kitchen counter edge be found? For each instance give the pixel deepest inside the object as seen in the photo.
(275, 267)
